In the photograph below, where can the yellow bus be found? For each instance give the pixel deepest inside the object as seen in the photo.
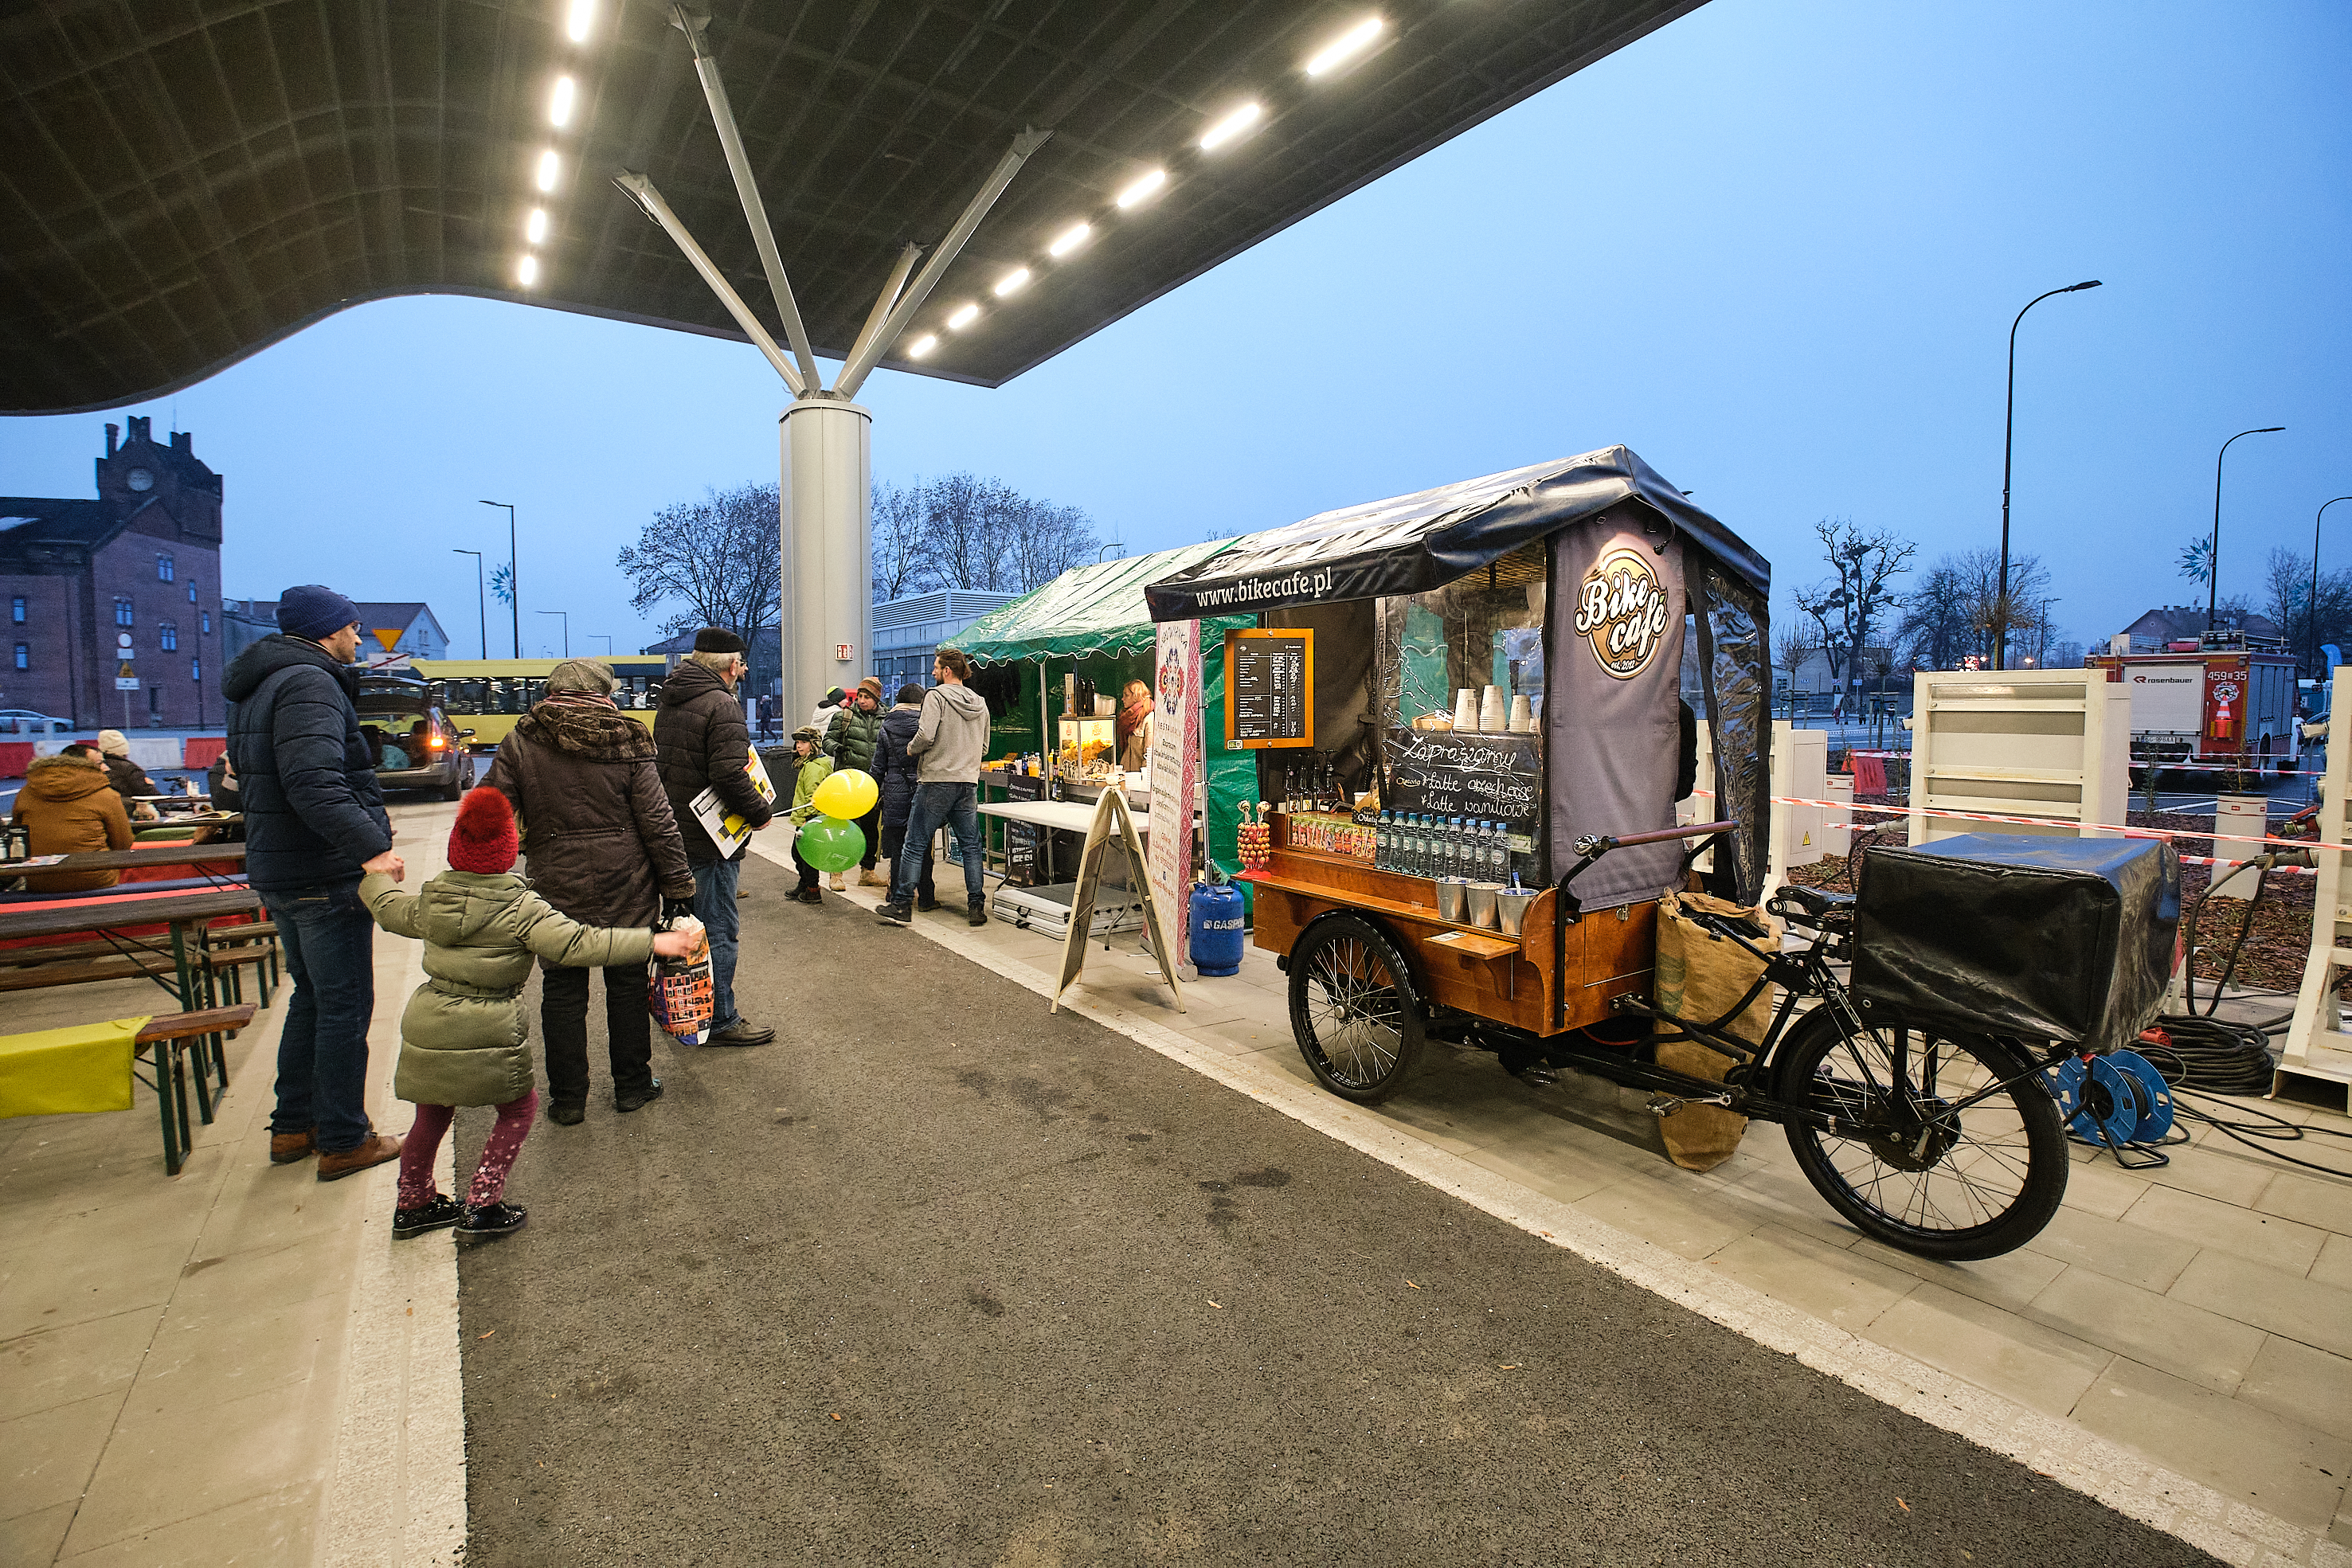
(488, 695)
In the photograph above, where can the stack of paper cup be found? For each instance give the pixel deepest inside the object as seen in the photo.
(1466, 708)
(1523, 718)
(1490, 710)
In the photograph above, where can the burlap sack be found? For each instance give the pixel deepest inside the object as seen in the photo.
(1700, 976)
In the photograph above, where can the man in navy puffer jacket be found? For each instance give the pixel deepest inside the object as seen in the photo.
(314, 822)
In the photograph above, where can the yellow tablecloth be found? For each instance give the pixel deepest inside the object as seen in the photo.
(56, 1070)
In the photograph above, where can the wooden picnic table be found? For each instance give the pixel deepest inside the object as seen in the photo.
(190, 853)
(104, 913)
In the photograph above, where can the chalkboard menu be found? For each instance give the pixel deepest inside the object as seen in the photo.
(1269, 689)
(1461, 773)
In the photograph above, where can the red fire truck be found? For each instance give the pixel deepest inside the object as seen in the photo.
(2222, 700)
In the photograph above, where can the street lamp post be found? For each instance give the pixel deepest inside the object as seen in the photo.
(567, 628)
(2314, 583)
(2008, 441)
(514, 575)
(2214, 558)
(607, 636)
(481, 598)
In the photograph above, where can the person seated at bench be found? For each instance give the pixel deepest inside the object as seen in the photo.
(68, 807)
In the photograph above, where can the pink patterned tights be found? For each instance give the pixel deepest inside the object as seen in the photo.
(423, 1145)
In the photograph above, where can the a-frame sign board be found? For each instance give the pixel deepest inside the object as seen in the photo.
(1111, 816)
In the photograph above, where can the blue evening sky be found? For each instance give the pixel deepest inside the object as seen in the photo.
(1774, 248)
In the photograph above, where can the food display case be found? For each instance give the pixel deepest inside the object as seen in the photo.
(1086, 749)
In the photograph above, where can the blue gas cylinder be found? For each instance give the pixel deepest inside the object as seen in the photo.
(1217, 938)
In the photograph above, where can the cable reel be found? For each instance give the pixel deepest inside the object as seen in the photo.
(2115, 1101)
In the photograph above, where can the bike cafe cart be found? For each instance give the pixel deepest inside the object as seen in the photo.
(1498, 665)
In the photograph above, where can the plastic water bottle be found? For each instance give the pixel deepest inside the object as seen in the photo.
(1453, 846)
(1498, 851)
(1420, 844)
(1382, 844)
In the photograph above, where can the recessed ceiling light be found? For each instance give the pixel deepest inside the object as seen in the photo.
(1143, 188)
(559, 102)
(548, 166)
(1344, 46)
(965, 316)
(1070, 239)
(534, 228)
(575, 26)
(527, 271)
(922, 346)
(1230, 126)
(1012, 282)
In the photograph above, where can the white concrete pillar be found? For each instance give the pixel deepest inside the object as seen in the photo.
(826, 490)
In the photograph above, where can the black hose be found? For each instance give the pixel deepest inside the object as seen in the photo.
(2210, 1056)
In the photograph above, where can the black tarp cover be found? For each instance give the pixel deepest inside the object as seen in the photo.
(2013, 934)
(1411, 544)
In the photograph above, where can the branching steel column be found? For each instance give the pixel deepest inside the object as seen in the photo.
(641, 189)
(754, 210)
(863, 361)
(886, 299)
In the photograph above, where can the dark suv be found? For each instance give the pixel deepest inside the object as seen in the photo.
(415, 747)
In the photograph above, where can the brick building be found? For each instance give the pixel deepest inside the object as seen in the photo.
(142, 562)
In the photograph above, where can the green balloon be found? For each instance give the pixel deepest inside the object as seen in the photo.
(831, 844)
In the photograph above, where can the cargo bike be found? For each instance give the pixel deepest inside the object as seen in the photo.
(1531, 654)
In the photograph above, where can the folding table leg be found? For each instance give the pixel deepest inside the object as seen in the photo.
(157, 1053)
(204, 1077)
(180, 1094)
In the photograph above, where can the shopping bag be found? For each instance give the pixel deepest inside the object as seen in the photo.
(679, 997)
(1701, 976)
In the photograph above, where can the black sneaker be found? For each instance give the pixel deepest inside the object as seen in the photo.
(625, 1103)
(977, 915)
(567, 1113)
(490, 1221)
(808, 896)
(927, 905)
(894, 915)
(439, 1215)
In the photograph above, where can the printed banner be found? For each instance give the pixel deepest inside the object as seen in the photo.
(1175, 778)
(728, 831)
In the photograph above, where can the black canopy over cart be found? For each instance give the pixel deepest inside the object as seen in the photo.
(1508, 668)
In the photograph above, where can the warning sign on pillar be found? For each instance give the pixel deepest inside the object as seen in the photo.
(844, 652)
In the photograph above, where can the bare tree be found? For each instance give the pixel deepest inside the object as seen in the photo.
(983, 533)
(719, 557)
(1849, 604)
(1792, 646)
(902, 555)
(2286, 581)
(1951, 616)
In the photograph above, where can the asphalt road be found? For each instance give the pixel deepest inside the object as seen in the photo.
(941, 1277)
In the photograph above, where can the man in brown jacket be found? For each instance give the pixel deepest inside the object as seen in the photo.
(68, 807)
(602, 845)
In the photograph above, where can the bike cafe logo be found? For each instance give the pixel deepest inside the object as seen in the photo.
(1622, 612)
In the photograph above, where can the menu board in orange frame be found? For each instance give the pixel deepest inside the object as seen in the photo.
(1270, 689)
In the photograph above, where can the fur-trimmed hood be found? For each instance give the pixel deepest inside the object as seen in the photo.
(68, 776)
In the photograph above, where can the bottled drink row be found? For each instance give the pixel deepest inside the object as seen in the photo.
(1419, 844)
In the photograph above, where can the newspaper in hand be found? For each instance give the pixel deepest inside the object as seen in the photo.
(727, 830)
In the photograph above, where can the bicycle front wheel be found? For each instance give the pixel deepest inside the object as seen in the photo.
(1901, 1161)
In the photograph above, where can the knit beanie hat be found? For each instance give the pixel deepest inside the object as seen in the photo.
(484, 840)
(314, 611)
(114, 743)
(834, 698)
(872, 686)
(591, 675)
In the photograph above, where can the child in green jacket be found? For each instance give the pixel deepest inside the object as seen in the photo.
(465, 1038)
(811, 767)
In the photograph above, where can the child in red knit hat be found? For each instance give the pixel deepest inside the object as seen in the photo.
(464, 1038)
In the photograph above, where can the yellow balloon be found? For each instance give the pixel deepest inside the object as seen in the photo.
(848, 794)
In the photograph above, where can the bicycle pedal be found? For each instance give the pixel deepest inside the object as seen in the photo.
(1664, 1105)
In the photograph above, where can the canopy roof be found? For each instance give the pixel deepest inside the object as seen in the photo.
(1411, 544)
(1085, 610)
(190, 182)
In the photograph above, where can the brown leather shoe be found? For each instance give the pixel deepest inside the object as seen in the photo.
(286, 1148)
(379, 1147)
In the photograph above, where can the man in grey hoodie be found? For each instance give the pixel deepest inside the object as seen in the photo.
(949, 741)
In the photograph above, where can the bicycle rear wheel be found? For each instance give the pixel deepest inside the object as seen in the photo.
(1903, 1164)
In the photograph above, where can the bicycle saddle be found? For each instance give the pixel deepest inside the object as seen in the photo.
(1811, 904)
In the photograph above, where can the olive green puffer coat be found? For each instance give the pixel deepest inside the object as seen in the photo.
(464, 1038)
(851, 740)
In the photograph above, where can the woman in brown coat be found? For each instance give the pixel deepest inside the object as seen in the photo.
(600, 844)
(69, 806)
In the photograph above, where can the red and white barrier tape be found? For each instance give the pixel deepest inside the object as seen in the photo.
(2138, 762)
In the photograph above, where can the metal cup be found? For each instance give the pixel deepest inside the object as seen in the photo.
(1482, 903)
(1453, 899)
(1512, 907)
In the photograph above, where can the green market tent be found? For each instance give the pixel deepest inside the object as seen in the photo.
(1093, 619)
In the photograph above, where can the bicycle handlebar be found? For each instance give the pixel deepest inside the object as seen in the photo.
(1606, 841)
